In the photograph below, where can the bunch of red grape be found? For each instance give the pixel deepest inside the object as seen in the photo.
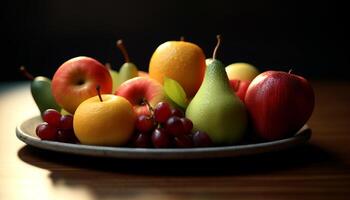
(56, 127)
(167, 127)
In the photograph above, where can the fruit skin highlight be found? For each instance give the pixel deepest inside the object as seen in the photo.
(110, 122)
(181, 61)
(279, 104)
(76, 80)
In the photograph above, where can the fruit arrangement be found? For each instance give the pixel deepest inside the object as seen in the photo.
(185, 100)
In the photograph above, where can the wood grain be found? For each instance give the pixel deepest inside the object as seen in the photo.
(318, 170)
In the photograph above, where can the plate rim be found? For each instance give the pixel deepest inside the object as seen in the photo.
(302, 136)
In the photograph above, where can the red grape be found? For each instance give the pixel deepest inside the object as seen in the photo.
(183, 141)
(66, 136)
(145, 124)
(52, 117)
(188, 125)
(162, 112)
(46, 132)
(201, 139)
(66, 122)
(177, 112)
(160, 138)
(174, 126)
(142, 140)
(62, 136)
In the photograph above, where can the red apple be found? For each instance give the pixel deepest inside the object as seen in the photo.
(138, 89)
(240, 87)
(279, 104)
(76, 80)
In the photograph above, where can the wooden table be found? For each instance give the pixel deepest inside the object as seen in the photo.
(318, 170)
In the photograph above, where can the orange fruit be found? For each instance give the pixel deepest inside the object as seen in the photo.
(110, 122)
(181, 61)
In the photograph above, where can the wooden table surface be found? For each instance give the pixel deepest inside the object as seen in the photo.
(318, 170)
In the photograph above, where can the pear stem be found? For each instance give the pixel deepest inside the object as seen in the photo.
(26, 73)
(182, 38)
(98, 88)
(218, 37)
(122, 48)
(108, 66)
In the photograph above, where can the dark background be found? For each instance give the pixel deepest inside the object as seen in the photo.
(308, 37)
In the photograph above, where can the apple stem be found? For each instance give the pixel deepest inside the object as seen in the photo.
(122, 48)
(290, 71)
(26, 73)
(237, 86)
(98, 88)
(149, 106)
(182, 38)
(218, 37)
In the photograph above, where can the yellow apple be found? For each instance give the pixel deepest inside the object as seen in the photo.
(109, 122)
(241, 71)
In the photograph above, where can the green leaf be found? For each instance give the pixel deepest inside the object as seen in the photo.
(175, 92)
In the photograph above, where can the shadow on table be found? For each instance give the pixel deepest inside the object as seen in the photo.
(299, 156)
(128, 178)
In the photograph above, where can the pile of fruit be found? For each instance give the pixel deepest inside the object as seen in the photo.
(184, 100)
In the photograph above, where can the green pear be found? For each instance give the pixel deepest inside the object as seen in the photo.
(114, 75)
(42, 95)
(128, 70)
(40, 88)
(215, 108)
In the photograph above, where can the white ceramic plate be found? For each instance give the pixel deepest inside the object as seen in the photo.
(26, 132)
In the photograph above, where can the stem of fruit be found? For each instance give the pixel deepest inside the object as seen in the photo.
(237, 86)
(290, 71)
(218, 37)
(182, 38)
(151, 110)
(98, 88)
(122, 48)
(26, 73)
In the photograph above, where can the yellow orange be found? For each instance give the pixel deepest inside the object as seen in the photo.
(181, 61)
(110, 122)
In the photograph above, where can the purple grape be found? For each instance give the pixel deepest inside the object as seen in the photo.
(160, 138)
(202, 139)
